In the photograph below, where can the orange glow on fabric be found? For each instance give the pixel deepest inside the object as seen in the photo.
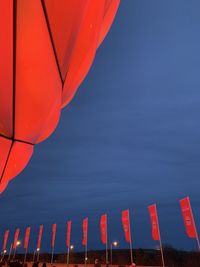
(126, 225)
(5, 240)
(27, 236)
(48, 49)
(40, 236)
(68, 237)
(85, 231)
(154, 222)
(53, 235)
(16, 238)
(188, 218)
(103, 228)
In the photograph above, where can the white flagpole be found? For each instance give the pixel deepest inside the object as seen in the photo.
(130, 238)
(68, 251)
(52, 255)
(86, 254)
(197, 237)
(160, 241)
(10, 252)
(25, 255)
(161, 251)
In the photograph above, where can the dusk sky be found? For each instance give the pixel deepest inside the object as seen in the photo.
(129, 138)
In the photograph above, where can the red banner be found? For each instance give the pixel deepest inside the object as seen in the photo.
(126, 225)
(26, 238)
(154, 222)
(5, 239)
(40, 236)
(188, 217)
(103, 228)
(68, 237)
(16, 238)
(85, 231)
(53, 235)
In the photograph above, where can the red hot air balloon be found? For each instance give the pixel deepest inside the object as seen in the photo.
(47, 48)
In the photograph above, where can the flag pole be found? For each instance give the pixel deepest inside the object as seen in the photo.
(68, 250)
(197, 237)
(161, 251)
(25, 255)
(52, 255)
(86, 255)
(106, 251)
(10, 251)
(38, 254)
(160, 241)
(130, 243)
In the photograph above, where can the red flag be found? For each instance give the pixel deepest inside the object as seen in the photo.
(188, 217)
(53, 235)
(40, 236)
(85, 231)
(68, 238)
(16, 238)
(103, 228)
(5, 239)
(126, 225)
(26, 238)
(154, 222)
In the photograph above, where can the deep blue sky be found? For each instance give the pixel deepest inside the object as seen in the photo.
(130, 137)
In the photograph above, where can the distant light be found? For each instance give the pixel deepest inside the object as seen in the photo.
(4, 251)
(38, 249)
(115, 243)
(86, 258)
(71, 247)
(18, 242)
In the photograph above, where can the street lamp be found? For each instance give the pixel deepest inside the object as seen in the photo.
(38, 253)
(17, 245)
(115, 244)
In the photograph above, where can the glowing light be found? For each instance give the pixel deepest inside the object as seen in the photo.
(115, 243)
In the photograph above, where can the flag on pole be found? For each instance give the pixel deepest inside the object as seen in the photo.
(103, 228)
(5, 239)
(85, 231)
(155, 230)
(16, 238)
(154, 222)
(68, 237)
(126, 225)
(26, 238)
(40, 236)
(53, 235)
(188, 218)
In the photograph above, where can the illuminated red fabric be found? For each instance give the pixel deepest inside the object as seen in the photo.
(188, 217)
(40, 237)
(85, 231)
(26, 238)
(16, 238)
(68, 237)
(126, 225)
(47, 50)
(103, 228)
(6, 234)
(53, 235)
(154, 222)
